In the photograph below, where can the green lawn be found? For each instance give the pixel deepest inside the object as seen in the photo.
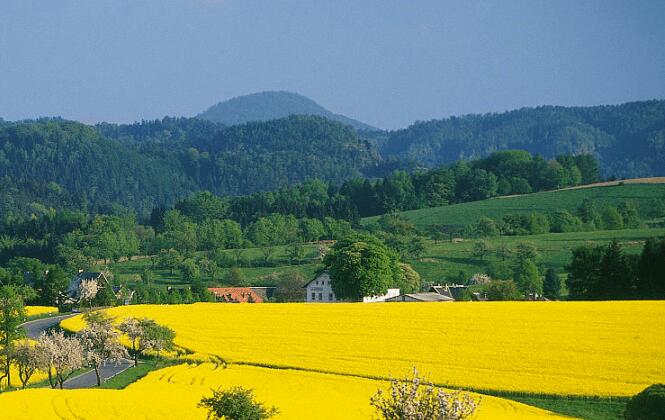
(542, 202)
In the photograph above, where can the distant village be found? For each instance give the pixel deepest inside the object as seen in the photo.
(317, 290)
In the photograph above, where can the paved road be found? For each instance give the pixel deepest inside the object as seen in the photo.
(89, 380)
(33, 329)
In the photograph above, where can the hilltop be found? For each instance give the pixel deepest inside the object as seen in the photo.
(270, 105)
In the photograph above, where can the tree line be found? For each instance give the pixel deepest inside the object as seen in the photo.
(604, 272)
(587, 217)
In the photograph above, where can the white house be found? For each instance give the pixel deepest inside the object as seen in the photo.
(319, 290)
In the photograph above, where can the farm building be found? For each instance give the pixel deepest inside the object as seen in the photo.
(235, 295)
(421, 297)
(73, 291)
(319, 289)
(266, 292)
(453, 291)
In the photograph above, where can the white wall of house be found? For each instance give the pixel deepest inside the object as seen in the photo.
(319, 290)
(390, 294)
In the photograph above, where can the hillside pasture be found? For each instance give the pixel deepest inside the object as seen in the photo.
(542, 202)
(444, 260)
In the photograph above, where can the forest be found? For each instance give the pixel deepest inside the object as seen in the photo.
(54, 163)
(627, 139)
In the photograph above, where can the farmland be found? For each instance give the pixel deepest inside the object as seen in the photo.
(554, 348)
(175, 391)
(35, 311)
(543, 202)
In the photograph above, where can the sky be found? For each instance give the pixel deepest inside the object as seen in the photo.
(387, 63)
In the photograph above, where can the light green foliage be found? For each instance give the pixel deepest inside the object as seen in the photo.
(361, 266)
(527, 277)
(501, 290)
(236, 403)
(612, 219)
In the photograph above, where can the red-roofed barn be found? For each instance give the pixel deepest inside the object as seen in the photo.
(235, 295)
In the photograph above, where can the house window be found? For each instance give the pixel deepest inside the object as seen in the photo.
(313, 296)
(320, 296)
(330, 297)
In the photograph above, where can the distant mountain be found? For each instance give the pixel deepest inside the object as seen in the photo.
(628, 139)
(265, 106)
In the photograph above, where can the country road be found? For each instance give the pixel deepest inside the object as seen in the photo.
(85, 380)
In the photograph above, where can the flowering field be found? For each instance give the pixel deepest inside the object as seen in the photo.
(563, 348)
(40, 310)
(173, 393)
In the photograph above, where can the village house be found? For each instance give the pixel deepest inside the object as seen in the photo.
(319, 290)
(73, 293)
(236, 295)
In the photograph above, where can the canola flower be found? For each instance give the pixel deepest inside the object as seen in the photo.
(173, 393)
(562, 348)
(40, 310)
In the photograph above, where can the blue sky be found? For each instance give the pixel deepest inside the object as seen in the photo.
(387, 63)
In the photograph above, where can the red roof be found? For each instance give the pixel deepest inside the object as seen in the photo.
(235, 294)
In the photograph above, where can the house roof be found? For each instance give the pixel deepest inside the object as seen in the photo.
(88, 275)
(424, 297)
(316, 277)
(236, 294)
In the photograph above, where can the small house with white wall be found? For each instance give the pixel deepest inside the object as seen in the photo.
(319, 290)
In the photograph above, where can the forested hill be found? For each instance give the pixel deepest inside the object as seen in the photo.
(628, 139)
(57, 163)
(270, 105)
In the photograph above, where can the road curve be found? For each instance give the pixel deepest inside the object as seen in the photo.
(33, 329)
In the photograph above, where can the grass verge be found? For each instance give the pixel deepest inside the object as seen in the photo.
(590, 409)
(133, 374)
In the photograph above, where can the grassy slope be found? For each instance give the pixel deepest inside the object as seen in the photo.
(446, 259)
(543, 202)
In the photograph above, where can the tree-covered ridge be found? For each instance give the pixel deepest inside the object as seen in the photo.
(67, 164)
(64, 164)
(628, 139)
(265, 106)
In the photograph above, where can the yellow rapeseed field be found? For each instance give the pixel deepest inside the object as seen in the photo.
(564, 348)
(40, 310)
(173, 393)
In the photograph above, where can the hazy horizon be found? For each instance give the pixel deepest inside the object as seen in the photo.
(378, 62)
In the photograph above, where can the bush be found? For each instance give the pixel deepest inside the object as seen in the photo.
(414, 399)
(648, 404)
(236, 403)
(502, 290)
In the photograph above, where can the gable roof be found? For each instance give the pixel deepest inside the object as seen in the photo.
(423, 297)
(75, 283)
(235, 294)
(316, 277)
